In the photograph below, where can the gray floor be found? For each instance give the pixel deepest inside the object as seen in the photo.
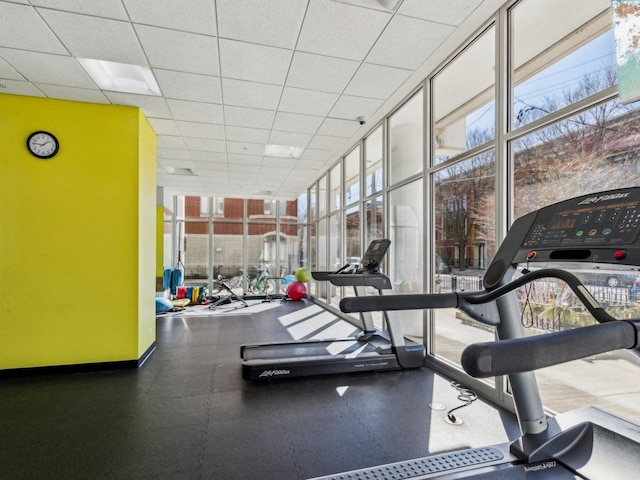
(187, 414)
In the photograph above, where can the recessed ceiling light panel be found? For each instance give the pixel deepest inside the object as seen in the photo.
(121, 77)
(282, 151)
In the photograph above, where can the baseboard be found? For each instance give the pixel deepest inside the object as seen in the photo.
(78, 368)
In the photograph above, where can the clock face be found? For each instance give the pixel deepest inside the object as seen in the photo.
(43, 144)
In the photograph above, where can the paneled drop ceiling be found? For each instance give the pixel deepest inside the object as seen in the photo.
(234, 76)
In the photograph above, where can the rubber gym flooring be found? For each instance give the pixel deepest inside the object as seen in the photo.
(187, 413)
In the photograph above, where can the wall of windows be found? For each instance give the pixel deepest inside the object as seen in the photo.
(516, 118)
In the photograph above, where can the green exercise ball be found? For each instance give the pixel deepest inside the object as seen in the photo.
(302, 275)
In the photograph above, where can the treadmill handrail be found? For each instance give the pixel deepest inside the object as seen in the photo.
(469, 299)
(516, 355)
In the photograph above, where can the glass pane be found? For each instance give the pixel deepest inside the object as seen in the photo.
(262, 248)
(548, 305)
(261, 210)
(373, 161)
(405, 252)
(335, 254)
(568, 60)
(195, 254)
(321, 261)
(313, 257)
(405, 139)
(289, 248)
(313, 200)
(301, 207)
(335, 180)
(463, 110)
(352, 176)
(464, 213)
(322, 196)
(227, 249)
(593, 151)
(352, 229)
(374, 220)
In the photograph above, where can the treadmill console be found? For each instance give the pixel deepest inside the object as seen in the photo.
(601, 219)
(375, 253)
(600, 228)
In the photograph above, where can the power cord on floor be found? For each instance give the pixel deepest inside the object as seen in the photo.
(465, 395)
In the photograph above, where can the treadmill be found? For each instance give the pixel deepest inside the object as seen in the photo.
(373, 349)
(593, 232)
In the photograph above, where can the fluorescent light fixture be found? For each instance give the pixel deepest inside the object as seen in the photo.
(282, 151)
(181, 171)
(121, 77)
(386, 5)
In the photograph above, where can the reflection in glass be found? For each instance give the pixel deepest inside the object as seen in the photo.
(335, 253)
(595, 150)
(568, 60)
(335, 183)
(374, 228)
(405, 139)
(373, 161)
(464, 111)
(405, 253)
(464, 213)
(352, 176)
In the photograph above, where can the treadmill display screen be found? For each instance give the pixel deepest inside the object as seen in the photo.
(610, 218)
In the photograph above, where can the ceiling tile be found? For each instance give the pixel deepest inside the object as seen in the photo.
(7, 71)
(248, 117)
(311, 154)
(318, 72)
(278, 163)
(290, 139)
(22, 27)
(167, 141)
(407, 42)
(47, 68)
(174, 153)
(72, 93)
(340, 30)
(196, 111)
(245, 148)
(164, 126)
(175, 50)
(451, 12)
(104, 8)
(250, 94)
(338, 128)
(349, 106)
(203, 156)
(151, 106)
(201, 130)
(19, 88)
(196, 16)
(258, 63)
(275, 23)
(205, 144)
(295, 122)
(309, 102)
(324, 142)
(97, 38)
(244, 134)
(189, 86)
(376, 81)
(210, 168)
(253, 160)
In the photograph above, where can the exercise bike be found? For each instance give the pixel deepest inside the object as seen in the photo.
(590, 232)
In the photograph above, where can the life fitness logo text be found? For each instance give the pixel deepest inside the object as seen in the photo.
(274, 373)
(604, 198)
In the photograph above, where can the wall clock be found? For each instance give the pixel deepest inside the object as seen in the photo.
(42, 144)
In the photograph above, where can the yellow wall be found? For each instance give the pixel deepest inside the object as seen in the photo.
(77, 234)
